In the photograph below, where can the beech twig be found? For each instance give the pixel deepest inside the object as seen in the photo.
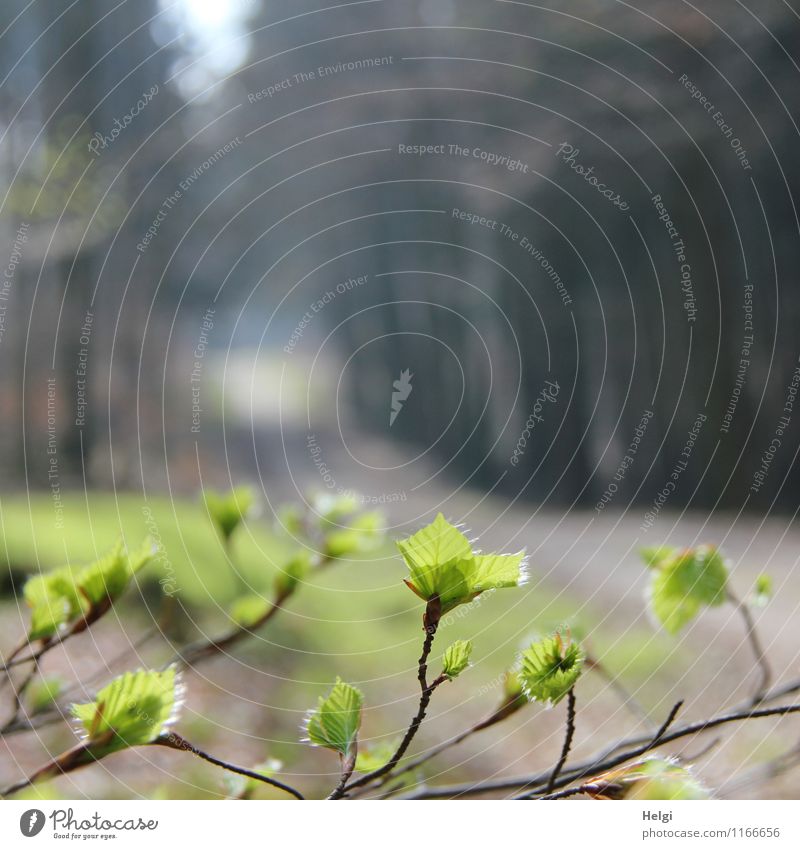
(175, 741)
(765, 672)
(430, 623)
(601, 762)
(570, 733)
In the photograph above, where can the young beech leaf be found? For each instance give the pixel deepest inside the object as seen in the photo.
(292, 573)
(456, 658)
(333, 508)
(685, 581)
(550, 668)
(61, 597)
(54, 601)
(496, 571)
(132, 710)
(360, 534)
(441, 563)
(248, 610)
(514, 696)
(108, 578)
(335, 722)
(651, 780)
(512, 684)
(375, 755)
(229, 509)
(762, 591)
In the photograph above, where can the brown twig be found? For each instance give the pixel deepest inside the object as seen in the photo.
(204, 649)
(68, 761)
(348, 765)
(430, 624)
(627, 698)
(753, 638)
(600, 763)
(568, 737)
(175, 741)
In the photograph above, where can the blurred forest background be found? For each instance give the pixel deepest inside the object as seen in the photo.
(609, 86)
(183, 181)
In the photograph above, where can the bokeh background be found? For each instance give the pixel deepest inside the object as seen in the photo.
(230, 228)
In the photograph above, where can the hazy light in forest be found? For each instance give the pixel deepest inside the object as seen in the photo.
(215, 38)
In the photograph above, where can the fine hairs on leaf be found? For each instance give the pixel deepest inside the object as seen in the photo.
(334, 723)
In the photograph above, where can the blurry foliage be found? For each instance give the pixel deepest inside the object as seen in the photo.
(49, 182)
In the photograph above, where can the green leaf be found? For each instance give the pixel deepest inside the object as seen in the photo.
(108, 578)
(433, 547)
(293, 573)
(496, 571)
(54, 601)
(290, 518)
(228, 510)
(441, 563)
(363, 533)
(132, 710)
(456, 658)
(672, 611)
(333, 508)
(335, 722)
(762, 591)
(248, 610)
(550, 668)
(652, 780)
(684, 582)
(61, 597)
(340, 543)
(375, 755)
(512, 685)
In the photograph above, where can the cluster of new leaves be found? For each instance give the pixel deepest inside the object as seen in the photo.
(443, 565)
(549, 668)
(333, 528)
(335, 722)
(228, 510)
(343, 529)
(137, 708)
(133, 710)
(683, 582)
(66, 597)
(649, 780)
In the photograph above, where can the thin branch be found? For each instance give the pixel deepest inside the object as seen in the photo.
(348, 765)
(10, 661)
(175, 741)
(627, 698)
(568, 737)
(66, 762)
(601, 762)
(430, 623)
(204, 649)
(566, 794)
(753, 638)
(508, 707)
